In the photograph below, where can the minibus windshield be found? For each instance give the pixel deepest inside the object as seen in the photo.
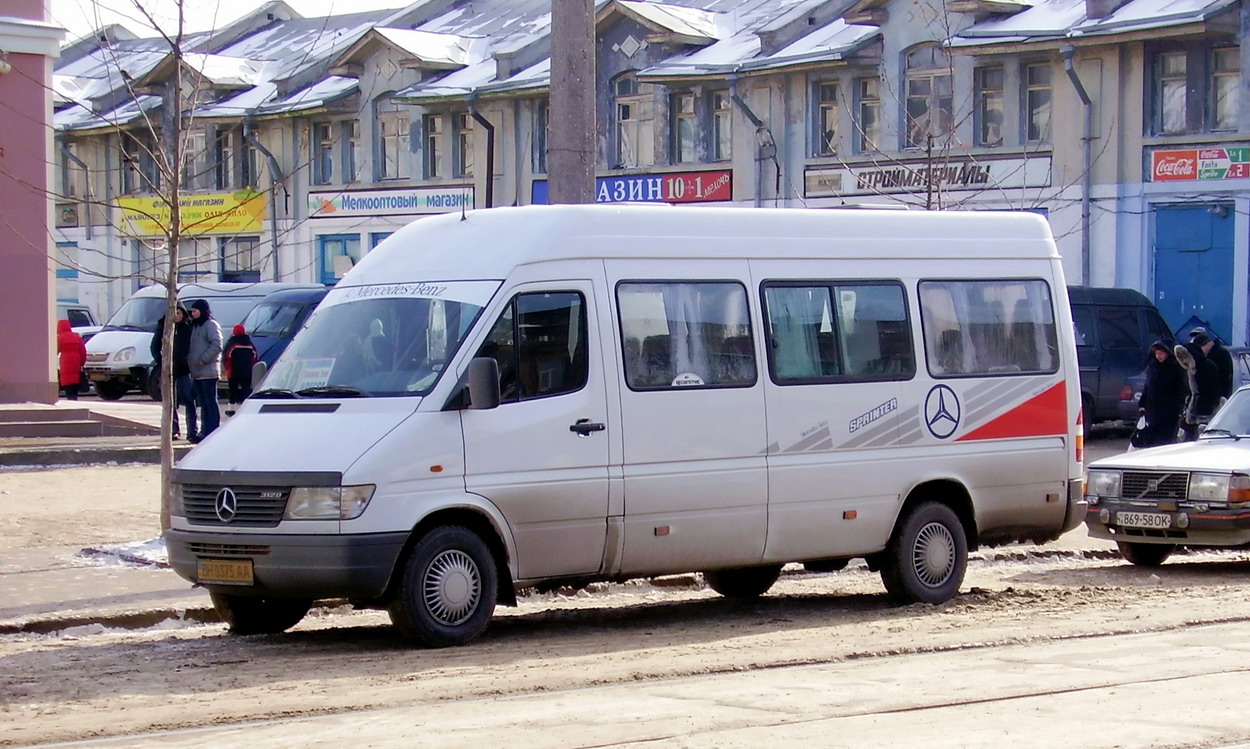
(138, 313)
(383, 340)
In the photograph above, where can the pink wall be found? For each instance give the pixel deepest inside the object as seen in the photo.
(27, 347)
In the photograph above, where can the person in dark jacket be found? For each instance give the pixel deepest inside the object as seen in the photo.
(184, 395)
(1162, 398)
(1218, 355)
(1204, 387)
(240, 357)
(72, 355)
(204, 360)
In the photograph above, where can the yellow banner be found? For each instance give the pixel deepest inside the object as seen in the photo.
(212, 213)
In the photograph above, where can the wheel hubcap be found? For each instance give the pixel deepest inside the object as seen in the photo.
(452, 587)
(933, 556)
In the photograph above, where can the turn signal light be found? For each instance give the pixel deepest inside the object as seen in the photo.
(1239, 488)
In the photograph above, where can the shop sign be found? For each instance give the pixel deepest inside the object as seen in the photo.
(398, 202)
(242, 212)
(918, 176)
(1176, 165)
(673, 187)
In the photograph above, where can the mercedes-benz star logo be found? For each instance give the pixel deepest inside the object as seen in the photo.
(941, 411)
(227, 505)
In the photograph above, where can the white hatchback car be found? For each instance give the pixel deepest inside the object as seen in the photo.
(1191, 494)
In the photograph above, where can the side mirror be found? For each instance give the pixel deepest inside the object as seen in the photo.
(483, 383)
(259, 370)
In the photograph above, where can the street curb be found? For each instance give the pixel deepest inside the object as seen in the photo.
(77, 456)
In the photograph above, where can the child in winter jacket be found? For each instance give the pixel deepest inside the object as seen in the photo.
(240, 356)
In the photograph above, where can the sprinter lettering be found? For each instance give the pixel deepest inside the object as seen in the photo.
(863, 420)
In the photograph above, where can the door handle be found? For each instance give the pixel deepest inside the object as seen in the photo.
(585, 426)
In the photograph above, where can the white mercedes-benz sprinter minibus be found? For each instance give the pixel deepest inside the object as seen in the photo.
(550, 395)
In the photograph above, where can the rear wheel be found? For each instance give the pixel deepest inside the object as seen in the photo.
(926, 559)
(110, 390)
(746, 582)
(247, 615)
(1145, 555)
(447, 593)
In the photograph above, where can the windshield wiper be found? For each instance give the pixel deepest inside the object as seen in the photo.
(331, 390)
(1217, 432)
(274, 393)
(139, 328)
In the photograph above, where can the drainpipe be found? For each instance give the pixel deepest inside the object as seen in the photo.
(86, 176)
(249, 135)
(490, 148)
(1087, 139)
(766, 147)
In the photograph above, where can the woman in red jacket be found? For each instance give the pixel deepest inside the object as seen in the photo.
(73, 355)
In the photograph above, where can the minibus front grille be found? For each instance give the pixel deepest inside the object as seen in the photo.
(227, 550)
(1155, 485)
(254, 506)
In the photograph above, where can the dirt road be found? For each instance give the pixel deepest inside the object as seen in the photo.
(835, 632)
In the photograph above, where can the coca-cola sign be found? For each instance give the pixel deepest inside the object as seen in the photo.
(1200, 164)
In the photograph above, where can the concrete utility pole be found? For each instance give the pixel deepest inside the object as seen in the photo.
(571, 144)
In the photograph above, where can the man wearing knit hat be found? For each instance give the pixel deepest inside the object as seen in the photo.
(1218, 355)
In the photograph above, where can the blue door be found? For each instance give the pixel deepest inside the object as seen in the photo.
(1193, 265)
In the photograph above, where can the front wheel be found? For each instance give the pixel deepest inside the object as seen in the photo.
(746, 582)
(248, 615)
(1145, 555)
(926, 559)
(447, 593)
(110, 390)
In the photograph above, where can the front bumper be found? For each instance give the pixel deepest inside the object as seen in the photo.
(1187, 527)
(286, 566)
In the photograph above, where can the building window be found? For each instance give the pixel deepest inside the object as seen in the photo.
(197, 173)
(339, 252)
(353, 158)
(930, 102)
(226, 148)
(868, 114)
(464, 145)
(989, 111)
(139, 173)
(538, 158)
(827, 125)
(635, 115)
(70, 172)
(1225, 83)
(323, 153)
(1037, 103)
(722, 126)
(1171, 90)
(252, 166)
(240, 259)
(683, 128)
(393, 146)
(433, 146)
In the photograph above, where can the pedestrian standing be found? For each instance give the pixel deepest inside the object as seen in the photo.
(240, 357)
(1204, 388)
(1162, 398)
(204, 361)
(72, 356)
(1218, 355)
(184, 392)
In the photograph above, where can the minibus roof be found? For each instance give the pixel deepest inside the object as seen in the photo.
(489, 243)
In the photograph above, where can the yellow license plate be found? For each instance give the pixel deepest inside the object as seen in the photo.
(225, 571)
(98, 376)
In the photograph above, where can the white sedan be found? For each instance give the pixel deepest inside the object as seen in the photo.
(1191, 494)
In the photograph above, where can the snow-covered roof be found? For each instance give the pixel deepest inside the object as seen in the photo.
(435, 49)
(225, 71)
(690, 22)
(1058, 19)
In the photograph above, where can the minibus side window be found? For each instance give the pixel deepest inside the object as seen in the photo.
(836, 331)
(681, 334)
(540, 344)
(988, 327)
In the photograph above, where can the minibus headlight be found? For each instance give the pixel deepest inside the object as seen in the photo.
(1103, 483)
(1209, 486)
(125, 354)
(328, 502)
(175, 498)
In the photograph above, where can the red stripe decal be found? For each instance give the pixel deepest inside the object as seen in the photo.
(1043, 415)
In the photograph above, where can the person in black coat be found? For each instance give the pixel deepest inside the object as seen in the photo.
(1204, 387)
(182, 371)
(1162, 398)
(1218, 355)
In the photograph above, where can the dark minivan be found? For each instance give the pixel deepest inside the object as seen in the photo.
(1114, 330)
(274, 320)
